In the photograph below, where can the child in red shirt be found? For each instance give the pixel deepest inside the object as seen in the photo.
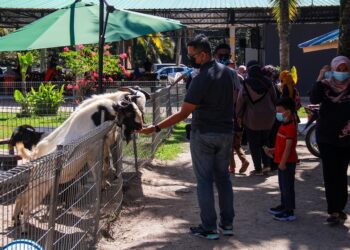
(286, 157)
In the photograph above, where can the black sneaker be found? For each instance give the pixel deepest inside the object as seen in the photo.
(336, 218)
(276, 210)
(200, 232)
(225, 230)
(285, 216)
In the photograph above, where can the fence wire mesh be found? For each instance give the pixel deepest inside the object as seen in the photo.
(64, 200)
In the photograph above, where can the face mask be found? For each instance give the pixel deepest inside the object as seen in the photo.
(341, 76)
(280, 117)
(328, 75)
(192, 61)
(224, 61)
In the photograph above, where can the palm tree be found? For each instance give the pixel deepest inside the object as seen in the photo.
(284, 11)
(156, 45)
(344, 28)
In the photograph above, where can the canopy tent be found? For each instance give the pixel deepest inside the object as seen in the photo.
(79, 24)
(323, 42)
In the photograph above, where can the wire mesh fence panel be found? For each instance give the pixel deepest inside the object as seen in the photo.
(65, 199)
(25, 200)
(81, 179)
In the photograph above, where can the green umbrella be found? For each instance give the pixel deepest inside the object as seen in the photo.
(79, 24)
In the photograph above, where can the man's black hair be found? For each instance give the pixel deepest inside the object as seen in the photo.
(200, 43)
(222, 46)
(287, 103)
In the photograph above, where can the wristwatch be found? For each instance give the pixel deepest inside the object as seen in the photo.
(157, 128)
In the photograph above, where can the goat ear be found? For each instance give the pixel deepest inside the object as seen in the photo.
(147, 95)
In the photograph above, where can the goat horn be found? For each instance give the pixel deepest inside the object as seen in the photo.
(128, 89)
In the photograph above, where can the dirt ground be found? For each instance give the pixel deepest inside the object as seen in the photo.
(161, 204)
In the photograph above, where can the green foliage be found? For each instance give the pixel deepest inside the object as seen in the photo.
(155, 45)
(293, 10)
(25, 61)
(84, 59)
(23, 101)
(46, 100)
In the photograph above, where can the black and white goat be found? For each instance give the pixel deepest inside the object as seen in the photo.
(87, 116)
(27, 135)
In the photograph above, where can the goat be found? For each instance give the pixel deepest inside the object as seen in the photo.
(134, 94)
(27, 135)
(78, 124)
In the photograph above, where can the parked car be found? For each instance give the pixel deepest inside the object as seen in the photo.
(165, 72)
(158, 66)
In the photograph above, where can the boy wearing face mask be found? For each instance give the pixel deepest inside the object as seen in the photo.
(285, 156)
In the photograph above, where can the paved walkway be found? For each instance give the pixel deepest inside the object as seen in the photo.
(161, 205)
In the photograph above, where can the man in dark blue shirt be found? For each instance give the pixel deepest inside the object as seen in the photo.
(210, 100)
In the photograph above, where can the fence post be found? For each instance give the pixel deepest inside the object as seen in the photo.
(177, 97)
(53, 201)
(154, 119)
(98, 172)
(135, 152)
(169, 108)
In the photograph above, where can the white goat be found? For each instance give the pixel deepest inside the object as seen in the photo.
(81, 121)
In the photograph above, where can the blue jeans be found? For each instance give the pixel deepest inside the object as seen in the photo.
(211, 154)
(286, 182)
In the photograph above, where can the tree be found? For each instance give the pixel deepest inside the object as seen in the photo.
(156, 45)
(344, 28)
(284, 11)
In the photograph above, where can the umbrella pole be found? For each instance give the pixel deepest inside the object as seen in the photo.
(100, 48)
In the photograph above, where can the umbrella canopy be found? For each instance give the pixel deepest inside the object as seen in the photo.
(79, 24)
(326, 41)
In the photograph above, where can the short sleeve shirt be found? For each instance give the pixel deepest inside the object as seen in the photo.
(212, 92)
(286, 131)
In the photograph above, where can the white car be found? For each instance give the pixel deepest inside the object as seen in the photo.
(158, 66)
(171, 71)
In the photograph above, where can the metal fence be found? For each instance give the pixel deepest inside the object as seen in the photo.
(63, 200)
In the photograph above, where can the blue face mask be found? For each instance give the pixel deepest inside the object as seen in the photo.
(280, 117)
(341, 76)
(328, 75)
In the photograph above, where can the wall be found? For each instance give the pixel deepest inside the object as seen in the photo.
(307, 64)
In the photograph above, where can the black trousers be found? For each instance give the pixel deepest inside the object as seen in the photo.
(257, 139)
(286, 179)
(335, 161)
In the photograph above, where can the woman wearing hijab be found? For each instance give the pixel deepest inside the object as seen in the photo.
(332, 92)
(256, 109)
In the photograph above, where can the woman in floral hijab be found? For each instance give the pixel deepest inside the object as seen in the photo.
(332, 92)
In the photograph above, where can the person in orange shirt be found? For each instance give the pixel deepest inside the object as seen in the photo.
(285, 156)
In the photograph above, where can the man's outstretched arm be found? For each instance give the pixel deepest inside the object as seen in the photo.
(185, 111)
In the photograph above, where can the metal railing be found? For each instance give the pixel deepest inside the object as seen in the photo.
(63, 200)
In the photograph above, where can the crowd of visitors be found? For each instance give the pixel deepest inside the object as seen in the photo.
(225, 101)
(229, 101)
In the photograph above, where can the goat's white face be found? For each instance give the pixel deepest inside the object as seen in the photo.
(129, 117)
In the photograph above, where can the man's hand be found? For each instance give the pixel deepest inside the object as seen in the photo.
(148, 130)
(282, 166)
